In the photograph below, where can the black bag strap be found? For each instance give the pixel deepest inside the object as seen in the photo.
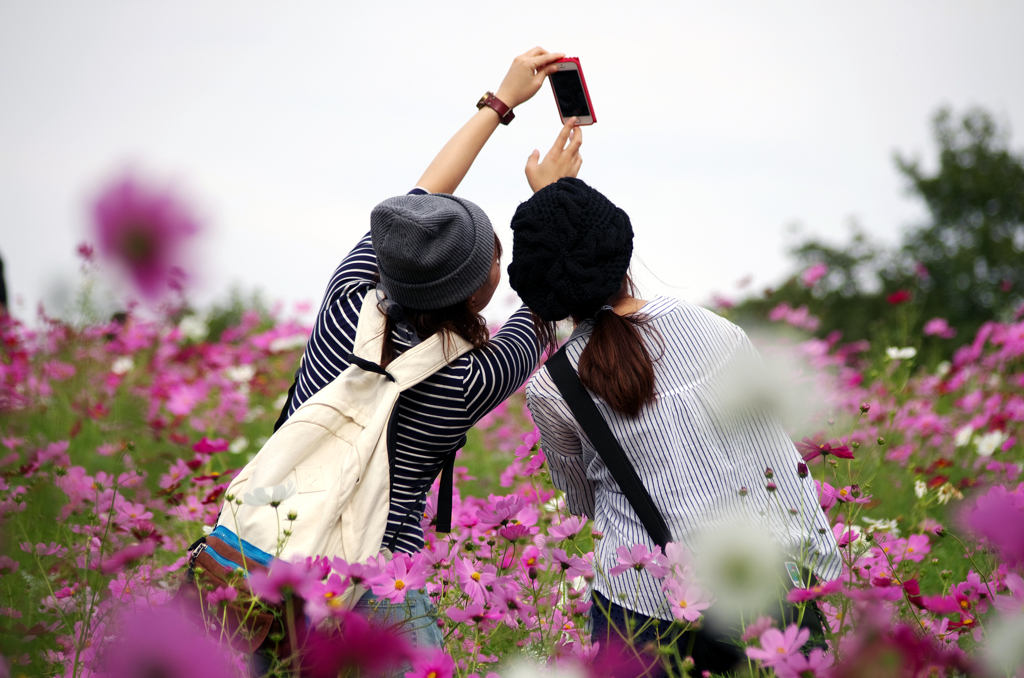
(589, 418)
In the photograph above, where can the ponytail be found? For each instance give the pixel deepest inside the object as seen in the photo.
(615, 364)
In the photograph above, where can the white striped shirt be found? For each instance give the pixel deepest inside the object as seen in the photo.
(434, 415)
(691, 457)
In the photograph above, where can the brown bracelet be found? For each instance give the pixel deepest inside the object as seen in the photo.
(505, 113)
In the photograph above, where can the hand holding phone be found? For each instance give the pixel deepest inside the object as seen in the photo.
(561, 161)
(571, 94)
(526, 75)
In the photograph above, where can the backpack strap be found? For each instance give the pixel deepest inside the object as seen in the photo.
(581, 403)
(407, 370)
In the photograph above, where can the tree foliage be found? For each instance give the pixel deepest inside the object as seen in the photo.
(965, 264)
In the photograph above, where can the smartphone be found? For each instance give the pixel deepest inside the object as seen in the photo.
(571, 95)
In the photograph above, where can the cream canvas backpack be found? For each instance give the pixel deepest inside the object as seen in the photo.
(334, 451)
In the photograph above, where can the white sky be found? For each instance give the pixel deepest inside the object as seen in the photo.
(720, 123)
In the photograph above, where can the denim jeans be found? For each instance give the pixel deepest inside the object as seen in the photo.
(415, 618)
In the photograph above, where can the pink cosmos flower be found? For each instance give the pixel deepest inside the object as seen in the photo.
(815, 665)
(143, 231)
(433, 663)
(812, 449)
(474, 578)
(638, 558)
(757, 628)
(568, 528)
(814, 592)
(207, 446)
(224, 594)
(401, 575)
(573, 566)
(8, 565)
(124, 557)
(686, 601)
(938, 327)
(284, 579)
(155, 643)
(53, 549)
(359, 648)
(514, 532)
(998, 516)
(323, 599)
(777, 646)
(502, 511)
(475, 613)
(813, 274)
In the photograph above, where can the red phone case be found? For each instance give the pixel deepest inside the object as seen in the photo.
(586, 92)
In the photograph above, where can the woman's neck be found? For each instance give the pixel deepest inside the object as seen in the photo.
(628, 305)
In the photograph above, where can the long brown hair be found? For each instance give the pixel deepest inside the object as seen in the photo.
(455, 319)
(616, 364)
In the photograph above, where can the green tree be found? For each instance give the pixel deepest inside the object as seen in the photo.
(965, 264)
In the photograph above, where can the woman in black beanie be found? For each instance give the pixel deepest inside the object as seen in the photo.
(654, 370)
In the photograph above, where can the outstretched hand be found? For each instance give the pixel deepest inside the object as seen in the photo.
(561, 161)
(526, 75)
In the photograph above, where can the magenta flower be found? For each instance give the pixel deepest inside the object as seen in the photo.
(815, 665)
(813, 274)
(124, 557)
(757, 628)
(568, 528)
(474, 578)
(357, 573)
(514, 532)
(502, 512)
(432, 664)
(401, 575)
(207, 446)
(143, 231)
(939, 327)
(324, 598)
(284, 579)
(686, 600)
(812, 449)
(358, 649)
(638, 558)
(998, 516)
(161, 642)
(814, 592)
(777, 646)
(573, 566)
(475, 613)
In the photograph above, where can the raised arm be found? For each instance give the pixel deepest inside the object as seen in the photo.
(522, 81)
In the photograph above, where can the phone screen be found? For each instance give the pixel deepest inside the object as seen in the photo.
(569, 90)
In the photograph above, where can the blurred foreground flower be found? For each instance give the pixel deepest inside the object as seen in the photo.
(142, 230)
(160, 642)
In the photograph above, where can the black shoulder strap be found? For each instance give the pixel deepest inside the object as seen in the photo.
(583, 408)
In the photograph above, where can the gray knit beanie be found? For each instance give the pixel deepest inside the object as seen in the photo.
(433, 250)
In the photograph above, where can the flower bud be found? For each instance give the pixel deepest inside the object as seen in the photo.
(292, 515)
(597, 535)
(855, 445)
(769, 473)
(771, 487)
(855, 491)
(744, 491)
(532, 572)
(864, 407)
(881, 440)
(801, 469)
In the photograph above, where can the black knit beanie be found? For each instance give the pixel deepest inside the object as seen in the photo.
(570, 250)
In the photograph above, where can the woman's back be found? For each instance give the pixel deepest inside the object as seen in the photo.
(694, 446)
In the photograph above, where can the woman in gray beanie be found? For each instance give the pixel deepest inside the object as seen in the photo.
(433, 260)
(654, 371)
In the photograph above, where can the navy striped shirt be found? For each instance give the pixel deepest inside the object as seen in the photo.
(691, 448)
(434, 415)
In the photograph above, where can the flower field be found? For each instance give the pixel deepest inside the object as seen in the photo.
(119, 439)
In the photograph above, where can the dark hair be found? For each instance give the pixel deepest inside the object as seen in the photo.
(615, 364)
(455, 319)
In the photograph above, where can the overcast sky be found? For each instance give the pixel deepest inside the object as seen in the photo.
(720, 123)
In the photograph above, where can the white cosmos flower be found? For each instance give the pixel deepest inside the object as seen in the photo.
(193, 327)
(123, 365)
(896, 353)
(943, 368)
(920, 489)
(262, 496)
(238, 445)
(282, 344)
(990, 442)
(741, 566)
(963, 435)
(882, 525)
(240, 374)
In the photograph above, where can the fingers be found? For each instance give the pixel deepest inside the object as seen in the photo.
(563, 134)
(577, 138)
(541, 61)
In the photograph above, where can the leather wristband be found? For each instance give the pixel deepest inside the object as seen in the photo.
(504, 112)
